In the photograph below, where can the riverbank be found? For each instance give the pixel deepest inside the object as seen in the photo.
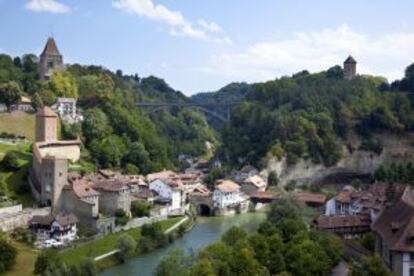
(205, 231)
(99, 247)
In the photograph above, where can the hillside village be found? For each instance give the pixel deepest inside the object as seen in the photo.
(105, 201)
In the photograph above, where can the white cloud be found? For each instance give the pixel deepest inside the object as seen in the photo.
(210, 26)
(387, 55)
(46, 6)
(174, 19)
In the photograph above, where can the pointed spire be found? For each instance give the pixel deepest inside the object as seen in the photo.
(51, 48)
(350, 59)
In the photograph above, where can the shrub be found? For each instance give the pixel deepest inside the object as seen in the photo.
(11, 161)
(121, 218)
(126, 246)
(140, 209)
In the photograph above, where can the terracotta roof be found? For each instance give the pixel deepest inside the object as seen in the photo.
(111, 185)
(344, 197)
(46, 112)
(50, 48)
(66, 219)
(395, 225)
(350, 59)
(227, 186)
(82, 188)
(332, 222)
(256, 180)
(161, 175)
(311, 197)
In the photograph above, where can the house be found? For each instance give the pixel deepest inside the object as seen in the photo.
(165, 174)
(348, 226)
(244, 173)
(62, 227)
(227, 193)
(113, 195)
(314, 200)
(394, 229)
(169, 190)
(253, 184)
(352, 202)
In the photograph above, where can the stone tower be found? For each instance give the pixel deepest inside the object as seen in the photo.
(46, 125)
(51, 60)
(54, 178)
(350, 68)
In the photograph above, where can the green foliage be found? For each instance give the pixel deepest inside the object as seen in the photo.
(272, 179)
(48, 97)
(234, 235)
(121, 218)
(368, 241)
(8, 254)
(11, 161)
(371, 265)
(47, 260)
(126, 246)
(308, 116)
(64, 85)
(10, 93)
(403, 173)
(37, 101)
(174, 264)
(140, 209)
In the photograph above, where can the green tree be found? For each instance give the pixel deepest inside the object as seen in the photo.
(48, 97)
(272, 179)
(95, 125)
(37, 101)
(126, 246)
(202, 268)
(10, 161)
(47, 260)
(175, 263)
(234, 235)
(10, 94)
(63, 84)
(371, 265)
(8, 254)
(140, 209)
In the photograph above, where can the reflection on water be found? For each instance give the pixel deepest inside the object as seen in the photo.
(206, 231)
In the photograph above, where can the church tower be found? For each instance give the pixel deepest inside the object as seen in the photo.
(46, 125)
(350, 68)
(51, 60)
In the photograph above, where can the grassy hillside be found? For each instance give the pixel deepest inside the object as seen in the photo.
(19, 123)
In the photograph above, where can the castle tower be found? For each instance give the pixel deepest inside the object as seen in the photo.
(54, 178)
(46, 125)
(51, 60)
(350, 68)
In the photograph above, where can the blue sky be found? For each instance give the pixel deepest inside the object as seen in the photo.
(202, 45)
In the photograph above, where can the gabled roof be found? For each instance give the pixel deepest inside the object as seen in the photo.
(42, 220)
(66, 219)
(395, 225)
(311, 197)
(227, 186)
(333, 222)
(50, 48)
(256, 180)
(350, 59)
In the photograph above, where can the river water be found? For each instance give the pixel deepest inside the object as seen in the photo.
(206, 231)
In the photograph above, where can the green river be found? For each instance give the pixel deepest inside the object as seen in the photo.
(206, 231)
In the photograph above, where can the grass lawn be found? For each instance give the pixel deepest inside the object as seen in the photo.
(25, 262)
(19, 123)
(11, 183)
(106, 244)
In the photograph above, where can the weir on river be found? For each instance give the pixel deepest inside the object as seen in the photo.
(206, 231)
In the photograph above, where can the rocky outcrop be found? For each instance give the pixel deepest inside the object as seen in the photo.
(396, 149)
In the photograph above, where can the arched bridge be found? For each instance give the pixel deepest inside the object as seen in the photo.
(153, 107)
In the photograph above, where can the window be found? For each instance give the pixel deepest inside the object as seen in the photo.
(50, 64)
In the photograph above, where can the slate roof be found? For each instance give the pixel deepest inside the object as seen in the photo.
(51, 48)
(350, 59)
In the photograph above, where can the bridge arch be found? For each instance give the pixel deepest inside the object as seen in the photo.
(204, 210)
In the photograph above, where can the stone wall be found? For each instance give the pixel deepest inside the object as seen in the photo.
(11, 210)
(10, 221)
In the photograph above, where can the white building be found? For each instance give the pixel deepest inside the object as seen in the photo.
(227, 193)
(171, 190)
(62, 227)
(66, 108)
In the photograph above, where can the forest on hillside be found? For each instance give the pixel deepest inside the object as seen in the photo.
(116, 133)
(300, 116)
(311, 116)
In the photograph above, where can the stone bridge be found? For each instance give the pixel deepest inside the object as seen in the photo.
(203, 204)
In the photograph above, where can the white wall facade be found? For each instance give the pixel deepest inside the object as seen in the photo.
(222, 200)
(165, 191)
